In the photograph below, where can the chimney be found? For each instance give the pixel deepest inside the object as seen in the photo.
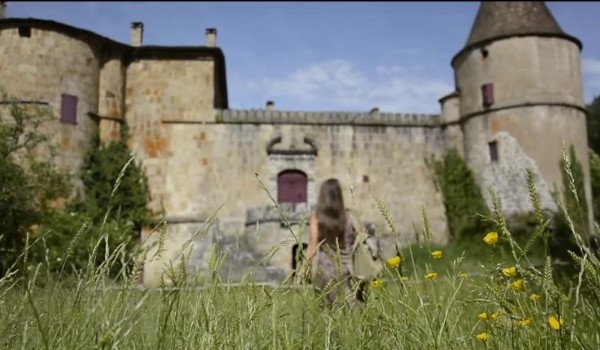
(270, 106)
(2, 9)
(211, 37)
(137, 33)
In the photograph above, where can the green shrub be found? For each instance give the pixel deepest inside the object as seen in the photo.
(28, 184)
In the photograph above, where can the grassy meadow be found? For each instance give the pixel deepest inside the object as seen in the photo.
(489, 293)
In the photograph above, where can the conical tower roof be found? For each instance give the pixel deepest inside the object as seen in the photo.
(503, 19)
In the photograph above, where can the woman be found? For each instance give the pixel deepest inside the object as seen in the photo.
(331, 229)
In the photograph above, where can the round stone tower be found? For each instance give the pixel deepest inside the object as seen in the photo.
(520, 97)
(55, 67)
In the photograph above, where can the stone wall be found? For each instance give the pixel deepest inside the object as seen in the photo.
(523, 70)
(110, 98)
(537, 147)
(45, 65)
(220, 166)
(160, 94)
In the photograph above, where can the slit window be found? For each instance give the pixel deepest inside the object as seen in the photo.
(25, 31)
(493, 151)
(68, 109)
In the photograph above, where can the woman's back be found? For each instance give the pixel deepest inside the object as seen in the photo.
(332, 271)
(331, 240)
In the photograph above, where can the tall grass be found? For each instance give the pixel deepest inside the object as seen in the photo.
(434, 304)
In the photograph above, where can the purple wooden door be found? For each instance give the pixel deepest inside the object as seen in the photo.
(291, 187)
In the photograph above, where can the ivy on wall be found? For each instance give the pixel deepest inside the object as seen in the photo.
(463, 199)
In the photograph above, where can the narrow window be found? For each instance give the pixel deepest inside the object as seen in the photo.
(493, 151)
(484, 53)
(487, 94)
(298, 256)
(68, 109)
(25, 31)
(292, 187)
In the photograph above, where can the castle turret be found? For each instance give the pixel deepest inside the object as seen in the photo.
(520, 97)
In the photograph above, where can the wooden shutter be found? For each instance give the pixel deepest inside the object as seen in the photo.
(487, 94)
(292, 187)
(68, 109)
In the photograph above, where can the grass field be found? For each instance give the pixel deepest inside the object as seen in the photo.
(488, 294)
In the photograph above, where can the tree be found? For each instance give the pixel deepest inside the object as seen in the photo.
(595, 177)
(28, 182)
(101, 169)
(593, 124)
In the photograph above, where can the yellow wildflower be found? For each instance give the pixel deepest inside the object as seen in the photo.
(483, 316)
(394, 262)
(554, 323)
(509, 271)
(517, 285)
(377, 283)
(524, 322)
(462, 275)
(491, 238)
(431, 276)
(483, 336)
(494, 316)
(534, 297)
(404, 279)
(437, 254)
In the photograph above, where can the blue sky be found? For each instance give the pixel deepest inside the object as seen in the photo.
(343, 56)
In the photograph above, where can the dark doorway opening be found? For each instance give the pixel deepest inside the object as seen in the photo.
(297, 257)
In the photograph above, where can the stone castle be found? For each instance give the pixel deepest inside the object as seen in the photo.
(518, 96)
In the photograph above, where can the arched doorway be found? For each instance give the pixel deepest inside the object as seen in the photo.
(292, 187)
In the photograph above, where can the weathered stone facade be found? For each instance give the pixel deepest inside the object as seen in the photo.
(205, 161)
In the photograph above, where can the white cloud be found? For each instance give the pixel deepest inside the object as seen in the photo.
(591, 71)
(340, 85)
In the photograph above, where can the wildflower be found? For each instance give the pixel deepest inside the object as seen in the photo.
(483, 316)
(494, 316)
(509, 271)
(437, 254)
(524, 322)
(404, 279)
(517, 285)
(491, 238)
(462, 275)
(483, 336)
(431, 276)
(554, 323)
(394, 262)
(534, 297)
(377, 283)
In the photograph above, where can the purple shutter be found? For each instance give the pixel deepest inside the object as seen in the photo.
(291, 187)
(68, 109)
(487, 93)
